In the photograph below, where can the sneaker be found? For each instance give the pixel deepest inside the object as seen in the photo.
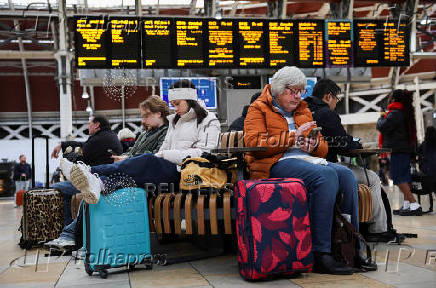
(66, 168)
(89, 184)
(61, 244)
(410, 212)
(79, 254)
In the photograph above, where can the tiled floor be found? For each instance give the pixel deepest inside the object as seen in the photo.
(409, 265)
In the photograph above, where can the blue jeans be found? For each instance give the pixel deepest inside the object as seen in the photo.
(143, 169)
(322, 183)
(69, 231)
(68, 190)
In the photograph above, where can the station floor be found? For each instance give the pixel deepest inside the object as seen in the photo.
(412, 264)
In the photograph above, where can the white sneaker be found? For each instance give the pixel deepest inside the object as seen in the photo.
(60, 244)
(66, 166)
(89, 184)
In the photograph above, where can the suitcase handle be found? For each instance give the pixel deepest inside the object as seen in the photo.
(46, 137)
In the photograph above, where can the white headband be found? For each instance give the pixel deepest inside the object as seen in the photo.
(182, 94)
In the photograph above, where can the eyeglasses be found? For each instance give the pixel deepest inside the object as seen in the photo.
(294, 91)
(337, 98)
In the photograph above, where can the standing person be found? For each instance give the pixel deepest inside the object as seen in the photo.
(398, 132)
(427, 159)
(22, 175)
(96, 151)
(322, 103)
(280, 112)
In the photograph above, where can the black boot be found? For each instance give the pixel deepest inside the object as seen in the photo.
(326, 264)
(364, 263)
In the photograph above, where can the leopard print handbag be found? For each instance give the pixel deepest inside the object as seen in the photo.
(43, 217)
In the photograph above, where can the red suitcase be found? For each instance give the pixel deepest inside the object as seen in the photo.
(273, 228)
(19, 200)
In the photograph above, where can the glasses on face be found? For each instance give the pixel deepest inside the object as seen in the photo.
(337, 98)
(295, 91)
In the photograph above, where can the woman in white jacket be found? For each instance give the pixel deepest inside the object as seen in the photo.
(192, 131)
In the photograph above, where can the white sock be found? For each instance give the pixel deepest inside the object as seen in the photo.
(414, 206)
(406, 205)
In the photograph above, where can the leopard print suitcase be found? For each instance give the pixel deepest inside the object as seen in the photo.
(43, 217)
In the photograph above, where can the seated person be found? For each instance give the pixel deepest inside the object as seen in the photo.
(127, 138)
(322, 103)
(95, 152)
(238, 123)
(154, 112)
(279, 112)
(192, 131)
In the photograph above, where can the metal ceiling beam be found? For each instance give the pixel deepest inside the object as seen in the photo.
(15, 54)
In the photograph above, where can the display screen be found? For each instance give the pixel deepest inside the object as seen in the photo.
(396, 43)
(310, 43)
(206, 89)
(221, 52)
(187, 43)
(339, 39)
(282, 51)
(125, 43)
(368, 46)
(189, 46)
(90, 42)
(251, 43)
(156, 43)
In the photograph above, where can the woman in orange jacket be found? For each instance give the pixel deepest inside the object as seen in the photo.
(281, 121)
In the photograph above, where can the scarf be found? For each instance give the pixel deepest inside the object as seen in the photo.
(391, 107)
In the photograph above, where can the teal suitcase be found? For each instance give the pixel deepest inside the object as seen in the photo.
(116, 232)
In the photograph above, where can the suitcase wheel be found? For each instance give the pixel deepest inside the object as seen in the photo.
(131, 266)
(88, 269)
(149, 266)
(103, 273)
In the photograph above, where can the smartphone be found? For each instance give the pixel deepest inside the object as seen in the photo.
(314, 132)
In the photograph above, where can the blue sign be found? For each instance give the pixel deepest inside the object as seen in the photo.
(206, 89)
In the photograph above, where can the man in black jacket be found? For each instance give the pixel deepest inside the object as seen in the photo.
(322, 103)
(22, 175)
(97, 150)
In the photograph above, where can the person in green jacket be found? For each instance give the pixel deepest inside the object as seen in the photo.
(154, 112)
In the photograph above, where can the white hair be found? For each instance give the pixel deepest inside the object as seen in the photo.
(125, 133)
(287, 76)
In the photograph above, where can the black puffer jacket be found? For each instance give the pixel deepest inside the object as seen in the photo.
(95, 149)
(332, 130)
(395, 132)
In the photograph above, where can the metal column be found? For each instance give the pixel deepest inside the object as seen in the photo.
(63, 59)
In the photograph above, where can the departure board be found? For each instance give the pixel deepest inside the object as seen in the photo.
(396, 43)
(339, 39)
(156, 43)
(367, 43)
(189, 46)
(221, 48)
(282, 50)
(251, 43)
(125, 39)
(310, 43)
(90, 43)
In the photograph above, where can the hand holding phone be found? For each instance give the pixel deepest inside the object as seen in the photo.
(314, 132)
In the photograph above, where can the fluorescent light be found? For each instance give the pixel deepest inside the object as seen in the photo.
(425, 21)
(85, 94)
(88, 109)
